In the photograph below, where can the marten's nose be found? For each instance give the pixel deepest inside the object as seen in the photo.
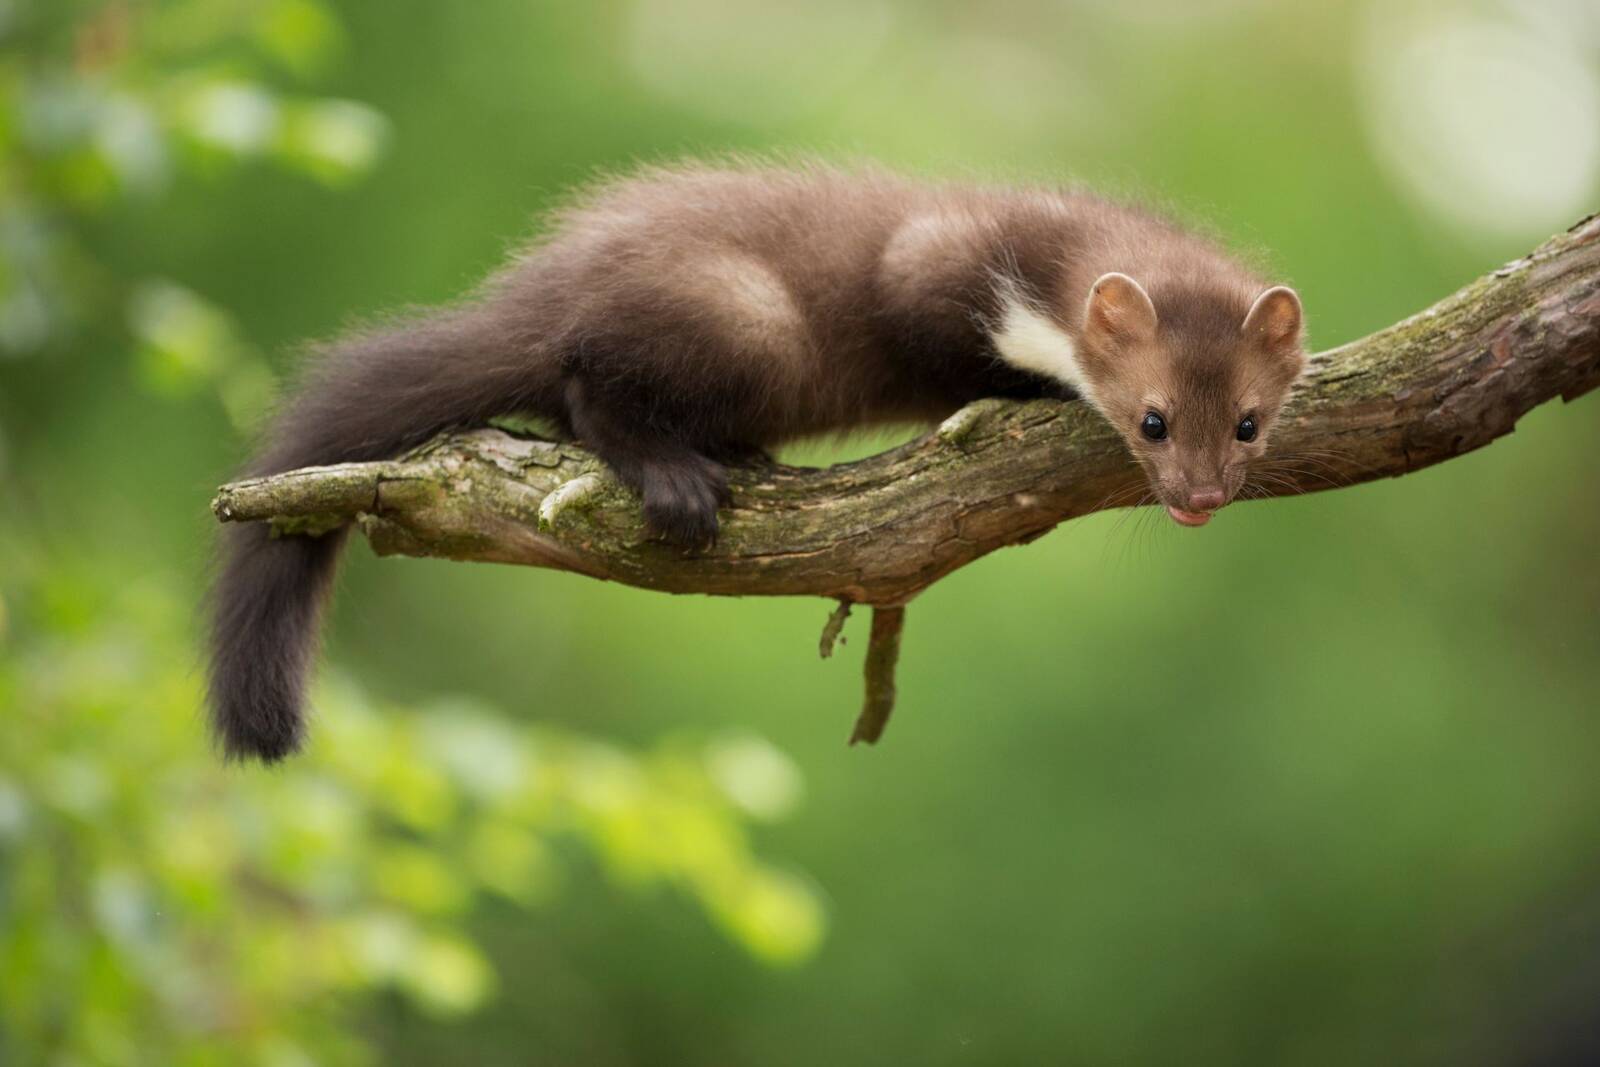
(1206, 499)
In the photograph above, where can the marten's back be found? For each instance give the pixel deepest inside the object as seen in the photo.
(826, 283)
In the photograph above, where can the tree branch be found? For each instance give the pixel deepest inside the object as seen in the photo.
(1437, 385)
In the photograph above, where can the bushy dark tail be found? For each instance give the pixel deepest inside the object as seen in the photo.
(368, 396)
(266, 606)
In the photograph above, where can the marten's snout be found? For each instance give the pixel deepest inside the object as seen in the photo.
(1198, 504)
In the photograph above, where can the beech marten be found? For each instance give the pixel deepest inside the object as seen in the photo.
(676, 318)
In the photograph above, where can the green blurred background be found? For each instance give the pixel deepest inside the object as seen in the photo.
(1314, 786)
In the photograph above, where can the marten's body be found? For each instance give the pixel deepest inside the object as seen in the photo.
(681, 316)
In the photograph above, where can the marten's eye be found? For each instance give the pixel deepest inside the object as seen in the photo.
(1247, 429)
(1154, 426)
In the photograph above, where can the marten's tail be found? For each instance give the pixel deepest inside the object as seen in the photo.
(367, 396)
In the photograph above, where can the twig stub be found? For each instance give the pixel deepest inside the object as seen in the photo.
(832, 628)
(883, 652)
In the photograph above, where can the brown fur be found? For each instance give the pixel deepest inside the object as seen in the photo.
(684, 315)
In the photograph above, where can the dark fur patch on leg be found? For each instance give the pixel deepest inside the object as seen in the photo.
(681, 497)
(681, 487)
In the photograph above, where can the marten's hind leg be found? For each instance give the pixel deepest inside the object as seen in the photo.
(680, 486)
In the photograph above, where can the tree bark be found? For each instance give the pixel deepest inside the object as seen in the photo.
(1439, 384)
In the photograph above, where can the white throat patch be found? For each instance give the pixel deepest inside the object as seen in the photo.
(1029, 340)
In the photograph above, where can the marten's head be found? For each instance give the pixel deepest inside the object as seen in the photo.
(1195, 388)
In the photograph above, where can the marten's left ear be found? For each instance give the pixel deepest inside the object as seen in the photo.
(1275, 323)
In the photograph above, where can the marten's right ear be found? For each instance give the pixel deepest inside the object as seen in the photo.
(1119, 311)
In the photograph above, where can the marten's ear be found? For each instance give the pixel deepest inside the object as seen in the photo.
(1119, 310)
(1275, 322)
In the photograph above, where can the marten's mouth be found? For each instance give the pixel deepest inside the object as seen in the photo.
(1188, 518)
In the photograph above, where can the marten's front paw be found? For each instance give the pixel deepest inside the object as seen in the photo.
(681, 499)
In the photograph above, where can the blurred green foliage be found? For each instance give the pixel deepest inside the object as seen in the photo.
(102, 104)
(1314, 785)
(156, 907)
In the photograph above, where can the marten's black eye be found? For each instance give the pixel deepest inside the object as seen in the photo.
(1247, 429)
(1154, 426)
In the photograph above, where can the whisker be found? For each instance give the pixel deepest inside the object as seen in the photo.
(1328, 470)
(1119, 497)
(1291, 471)
(1139, 541)
(1338, 459)
(1128, 514)
(1271, 480)
(1134, 513)
(1133, 545)
(1331, 462)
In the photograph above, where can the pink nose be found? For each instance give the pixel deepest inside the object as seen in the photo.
(1206, 500)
